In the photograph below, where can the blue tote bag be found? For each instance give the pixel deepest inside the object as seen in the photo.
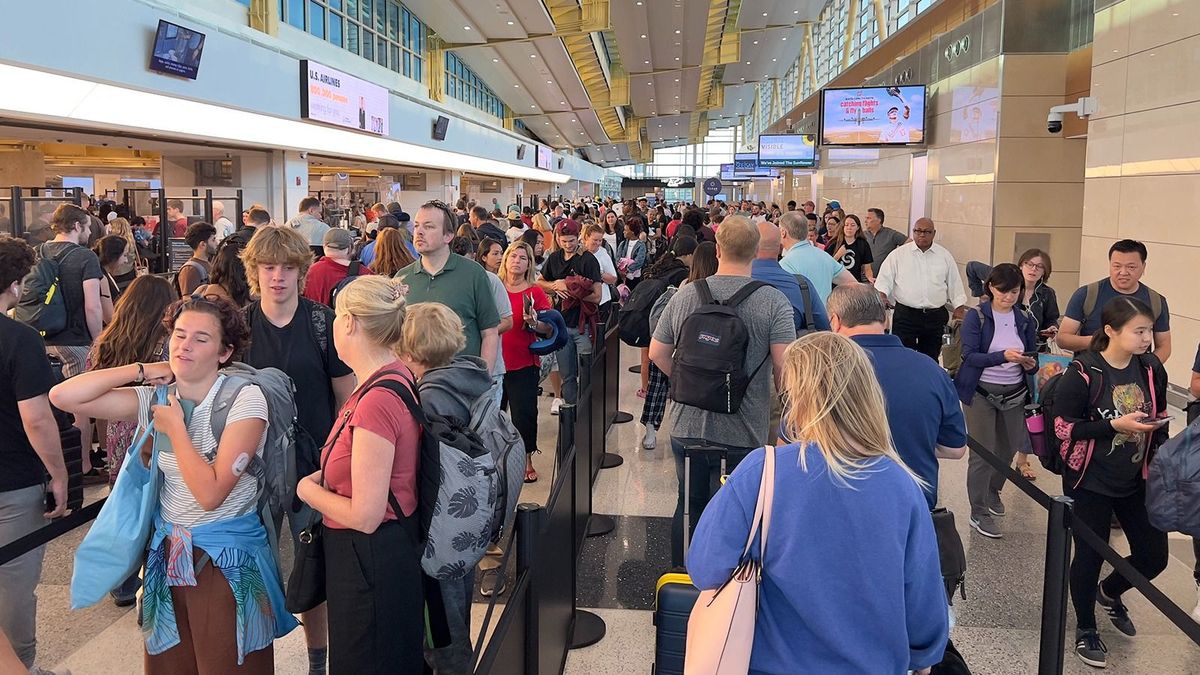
(113, 548)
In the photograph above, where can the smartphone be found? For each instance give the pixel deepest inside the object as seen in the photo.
(1046, 333)
(1159, 421)
(1032, 355)
(528, 300)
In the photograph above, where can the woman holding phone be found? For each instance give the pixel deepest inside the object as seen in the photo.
(1109, 415)
(523, 366)
(999, 347)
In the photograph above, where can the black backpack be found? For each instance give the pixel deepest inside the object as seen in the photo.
(707, 369)
(353, 272)
(633, 325)
(1052, 461)
(42, 305)
(806, 295)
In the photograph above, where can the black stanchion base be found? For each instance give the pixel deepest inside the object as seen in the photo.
(600, 525)
(611, 461)
(635, 368)
(622, 417)
(589, 629)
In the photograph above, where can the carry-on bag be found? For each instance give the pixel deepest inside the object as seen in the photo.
(674, 598)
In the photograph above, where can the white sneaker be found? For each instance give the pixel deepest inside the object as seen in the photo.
(1196, 611)
(651, 438)
(558, 403)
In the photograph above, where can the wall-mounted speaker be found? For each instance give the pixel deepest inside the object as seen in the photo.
(439, 127)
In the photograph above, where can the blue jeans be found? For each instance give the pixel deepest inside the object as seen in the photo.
(704, 480)
(578, 346)
(456, 657)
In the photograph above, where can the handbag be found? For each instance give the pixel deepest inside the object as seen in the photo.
(306, 583)
(113, 548)
(951, 554)
(720, 632)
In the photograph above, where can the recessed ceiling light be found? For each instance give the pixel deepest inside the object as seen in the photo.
(516, 86)
(532, 106)
(677, 79)
(510, 23)
(774, 60)
(533, 56)
(546, 123)
(639, 3)
(466, 28)
(643, 36)
(747, 63)
(649, 82)
(549, 81)
(495, 60)
(573, 121)
(764, 13)
(755, 42)
(785, 39)
(647, 63)
(676, 58)
(795, 11)
(677, 31)
(562, 102)
(652, 100)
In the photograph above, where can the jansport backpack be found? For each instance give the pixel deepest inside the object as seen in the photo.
(633, 325)
(1173, 484)
(806, 296)
(42, 305)
(707, 369)
(275, 468)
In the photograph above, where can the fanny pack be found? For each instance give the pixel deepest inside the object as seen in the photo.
(1003, 402)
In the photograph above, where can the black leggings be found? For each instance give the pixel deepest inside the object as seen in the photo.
(520, 398)
(376, 613)
(1148, 547)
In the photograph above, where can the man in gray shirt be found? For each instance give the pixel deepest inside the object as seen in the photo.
(769, 321)
(883, 240)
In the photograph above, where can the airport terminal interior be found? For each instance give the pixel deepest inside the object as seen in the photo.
(1003, 131)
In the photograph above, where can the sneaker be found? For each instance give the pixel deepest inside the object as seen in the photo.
(558, 403)
(1118, 613)
(996, 508)
(1196, 612)
(986, 526)
(1091, 649)
(651, 437)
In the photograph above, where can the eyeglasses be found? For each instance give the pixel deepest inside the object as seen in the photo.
(923, 231)
(1034, 265)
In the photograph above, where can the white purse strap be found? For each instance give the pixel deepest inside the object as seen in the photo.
(762, 509)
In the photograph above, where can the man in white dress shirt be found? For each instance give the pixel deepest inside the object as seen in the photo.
(921, 280)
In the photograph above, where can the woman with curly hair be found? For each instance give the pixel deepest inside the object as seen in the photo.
(222, 615)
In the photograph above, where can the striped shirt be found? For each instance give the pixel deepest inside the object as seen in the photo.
(176, 502)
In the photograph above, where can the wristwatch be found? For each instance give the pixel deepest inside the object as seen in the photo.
(141, 373)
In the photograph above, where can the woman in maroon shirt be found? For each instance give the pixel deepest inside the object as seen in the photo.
(372, 556)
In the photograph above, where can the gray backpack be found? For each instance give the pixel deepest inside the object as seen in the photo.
(495, 429)
(275, 468)
(1173, 484)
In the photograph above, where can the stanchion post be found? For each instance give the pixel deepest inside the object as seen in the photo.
(1054, 587)
(529, 517)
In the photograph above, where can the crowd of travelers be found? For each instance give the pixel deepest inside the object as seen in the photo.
(816, 338)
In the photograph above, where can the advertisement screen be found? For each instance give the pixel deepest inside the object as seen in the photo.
(745, 162)
(176, 50)
(727, 174)
(787, 150)
(873, 116)
(543, 158)
(331, 96)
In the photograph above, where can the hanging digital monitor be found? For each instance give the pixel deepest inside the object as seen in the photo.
(873, 116)
(788, 151)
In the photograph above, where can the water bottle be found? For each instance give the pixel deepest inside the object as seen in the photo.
(1035, 422)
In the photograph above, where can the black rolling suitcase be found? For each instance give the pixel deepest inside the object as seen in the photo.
(674, 594)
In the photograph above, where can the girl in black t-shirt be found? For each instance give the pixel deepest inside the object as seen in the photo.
(1102, 414)
(849, 247)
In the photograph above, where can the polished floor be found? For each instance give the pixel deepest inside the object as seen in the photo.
(996, 624)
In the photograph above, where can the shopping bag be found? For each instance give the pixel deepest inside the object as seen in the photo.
(113, 548)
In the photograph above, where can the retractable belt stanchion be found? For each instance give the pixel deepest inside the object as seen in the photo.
(1054, 587)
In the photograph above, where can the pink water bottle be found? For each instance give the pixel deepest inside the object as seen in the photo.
(1035, 422)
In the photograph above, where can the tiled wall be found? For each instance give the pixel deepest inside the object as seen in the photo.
(1143, 154)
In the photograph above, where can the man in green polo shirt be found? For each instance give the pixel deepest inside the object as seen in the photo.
(462, 285)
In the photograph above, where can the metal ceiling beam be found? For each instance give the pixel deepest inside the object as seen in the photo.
(581, 19)
(572, 18)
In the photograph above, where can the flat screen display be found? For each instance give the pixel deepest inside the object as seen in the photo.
(333, 97)
(787, 150)
(873, 116)
(176, 50)
(543, 158)
(745, 162)
(727, 174)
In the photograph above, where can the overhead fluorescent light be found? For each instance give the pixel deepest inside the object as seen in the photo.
(78, 102)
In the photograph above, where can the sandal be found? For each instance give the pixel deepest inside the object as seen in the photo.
(1027, 471)
(531, 475)
(641, 393)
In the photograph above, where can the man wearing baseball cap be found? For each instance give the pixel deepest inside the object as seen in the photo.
(327, 272)
(568, 261)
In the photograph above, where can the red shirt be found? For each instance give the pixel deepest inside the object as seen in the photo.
(324, 275)
(381, 412)
(515, 342)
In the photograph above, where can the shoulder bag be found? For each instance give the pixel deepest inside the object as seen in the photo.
(720, 635)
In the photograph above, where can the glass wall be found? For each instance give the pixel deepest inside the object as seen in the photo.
(383, 31)
(463, 84)
(689, 161)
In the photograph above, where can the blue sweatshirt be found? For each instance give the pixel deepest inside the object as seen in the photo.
(853, 584)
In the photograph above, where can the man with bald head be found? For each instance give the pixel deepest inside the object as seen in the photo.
(920, 279)
(765, 268)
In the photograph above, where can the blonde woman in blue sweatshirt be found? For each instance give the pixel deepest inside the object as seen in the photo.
(851, 583)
